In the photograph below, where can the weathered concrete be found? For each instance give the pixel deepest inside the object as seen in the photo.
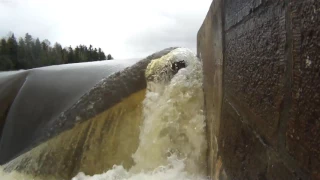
(303, 124)
(270, 119)
(210, 52)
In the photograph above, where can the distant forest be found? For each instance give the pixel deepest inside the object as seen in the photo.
(29, 53)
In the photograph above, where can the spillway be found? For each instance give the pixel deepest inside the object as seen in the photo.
(149, 130)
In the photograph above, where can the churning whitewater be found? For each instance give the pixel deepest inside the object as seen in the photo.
(172, 144)
(172, 137)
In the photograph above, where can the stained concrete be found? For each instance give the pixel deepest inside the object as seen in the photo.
(269, 122)
(303, 124)
(210, 53)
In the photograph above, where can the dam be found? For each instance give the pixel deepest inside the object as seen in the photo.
(245, 106)
(146, 134)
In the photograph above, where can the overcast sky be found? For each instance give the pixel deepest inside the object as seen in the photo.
(124, 28)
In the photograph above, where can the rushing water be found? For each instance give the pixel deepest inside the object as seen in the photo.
(172, 144)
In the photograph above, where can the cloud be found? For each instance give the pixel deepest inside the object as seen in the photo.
(124, 28)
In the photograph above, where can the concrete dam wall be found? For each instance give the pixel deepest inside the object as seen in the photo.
(144, 121)
(261, 62)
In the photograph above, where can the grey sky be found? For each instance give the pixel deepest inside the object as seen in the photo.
(124, 28)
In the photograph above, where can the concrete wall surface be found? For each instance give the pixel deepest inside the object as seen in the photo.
(262, 88)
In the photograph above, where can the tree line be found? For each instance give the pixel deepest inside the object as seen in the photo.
(29, 53)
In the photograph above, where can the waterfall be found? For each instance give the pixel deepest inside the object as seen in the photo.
(172, 137)
(171, 143)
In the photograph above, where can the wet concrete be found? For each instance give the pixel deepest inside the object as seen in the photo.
(269, 123)
(210, 53)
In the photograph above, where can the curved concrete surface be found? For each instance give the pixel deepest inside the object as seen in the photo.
(87, 137)
(38, 96)
(10, 83)
(84, 136)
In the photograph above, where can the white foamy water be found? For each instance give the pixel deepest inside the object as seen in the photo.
(172, 142)
(172, 137)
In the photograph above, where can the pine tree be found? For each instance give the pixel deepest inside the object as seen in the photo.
(12, 46)
(22, 62)
(65, 56)
(77, 54)
(3, 47)
(109, 57)
(95, 55)
(90, 53)
(30, 53)
(5, 62)
(70, 55)
(57, 57)
(37, 53)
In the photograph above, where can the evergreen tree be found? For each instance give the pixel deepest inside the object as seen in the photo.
(3, 47)
(45, 52)
(37, 53)
(70, 55)
(5, 62)
(30, 53)
(109, 57)
(65, 56)
(57, 56)
(101, 54)
(13, 50)
(90, 53)
(22, 62)
(95, 54)
(77, 54)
